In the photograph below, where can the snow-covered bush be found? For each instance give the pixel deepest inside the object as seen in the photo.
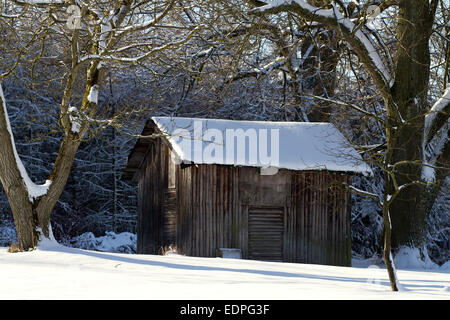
(124, 242)
(412, 258)
(366, 219)
(446, 266)
(438, 236)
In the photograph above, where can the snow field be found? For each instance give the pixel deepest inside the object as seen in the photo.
(56, 272)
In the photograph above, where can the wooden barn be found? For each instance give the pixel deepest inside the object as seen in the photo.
(274, 190)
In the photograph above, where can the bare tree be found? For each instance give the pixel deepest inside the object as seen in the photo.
(98, 34)
(402, 80)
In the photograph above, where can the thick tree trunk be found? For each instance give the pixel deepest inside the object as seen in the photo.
(59, 176)
(406, 112)
(13, 183)
(23, 214)
(319, 68)
(32, 215)
(319, 72)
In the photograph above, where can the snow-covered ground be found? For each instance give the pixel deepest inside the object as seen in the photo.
(56, 272)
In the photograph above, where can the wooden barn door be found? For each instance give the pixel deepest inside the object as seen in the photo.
(265, 233)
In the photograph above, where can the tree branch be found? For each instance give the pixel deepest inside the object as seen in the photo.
(437, 117)
(333, 18)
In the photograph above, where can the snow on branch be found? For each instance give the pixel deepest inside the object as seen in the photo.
(257, 72)
(73, 117)
(437, 117)
(136, 59)
(34, 191)
(349, 105)
(38, 2)
(150, 23)
(9, 16)
(366, 194)
(93, 94)
(359, 40)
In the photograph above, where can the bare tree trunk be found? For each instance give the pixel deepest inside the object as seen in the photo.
(12, 180)
(319, 68)
(387, 247)
(406, 112)
(32, 210)
(32, 213)
(320, 72)
(58, 176)
(406, 103)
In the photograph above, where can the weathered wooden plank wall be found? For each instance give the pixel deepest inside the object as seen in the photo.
(169, 212)
(205, 209)
(152, 187)
(261, 193)
(212, 205)
(321, 206)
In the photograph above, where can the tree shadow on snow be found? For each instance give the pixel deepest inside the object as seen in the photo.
(172, 265)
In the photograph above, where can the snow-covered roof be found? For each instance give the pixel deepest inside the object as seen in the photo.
(284, 145)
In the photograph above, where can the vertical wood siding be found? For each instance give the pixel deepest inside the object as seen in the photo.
(152, 187)
(205, 209)
(169, 218)
(321, 206)
(223, 207)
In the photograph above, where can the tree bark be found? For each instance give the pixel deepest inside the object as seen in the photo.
(406, 100)
(387, 249)
(319, 68)
(29, 214)
(319, 72)
(15, 189)
(32, 211)
(406, 114)
(58, 176)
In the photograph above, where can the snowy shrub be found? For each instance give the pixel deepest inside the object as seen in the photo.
(438, 236)
(124, 242)
(412, 258)
(366, 219)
